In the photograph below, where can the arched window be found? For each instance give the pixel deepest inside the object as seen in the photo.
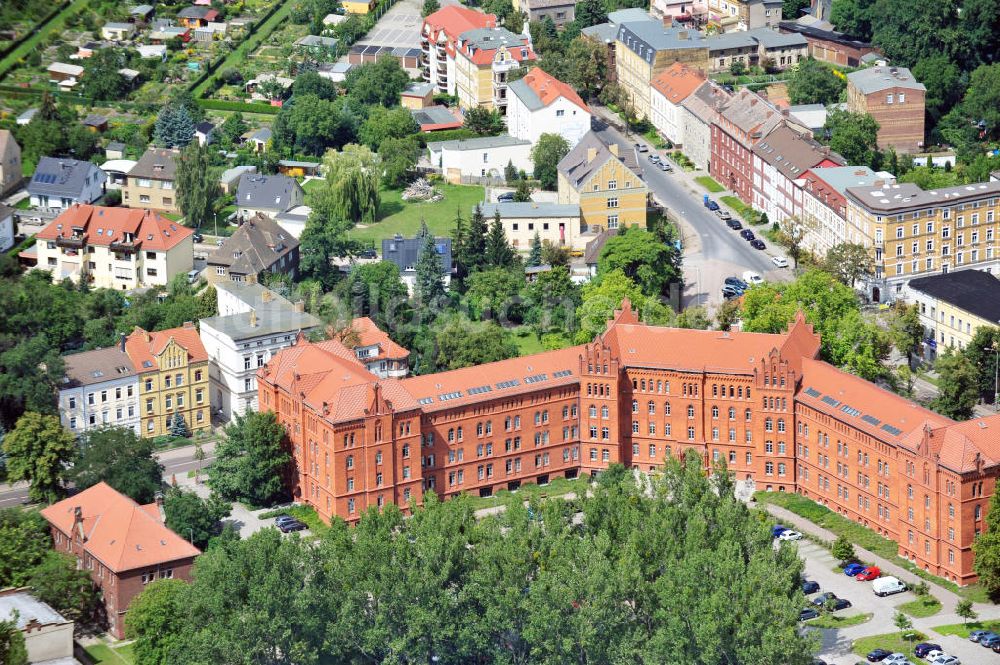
(651, 407)
(604, 411)
(747, 415)
(690, 411)
(768, 425)
(350, 461)
(635, 406)
(451, 434)
(732, 413)
(666, 408)
(643, 384)
(715, 412)
(592, 411)
(781, 424)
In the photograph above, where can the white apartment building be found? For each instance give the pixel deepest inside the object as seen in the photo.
(438, 36)
(668, 89)
(253, 323)
(542, 104)
(824, 208)
(101, 388)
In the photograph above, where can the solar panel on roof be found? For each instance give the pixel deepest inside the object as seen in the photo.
(895, 431)
(508, 384)
(812, 392)
(535, 378)
(871, 420)
(478, 390)
(829, 400)
(425, 400)
(561, 373)
(847, 408)
(448, 396)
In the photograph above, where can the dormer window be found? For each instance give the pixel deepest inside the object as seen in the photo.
(236, 254)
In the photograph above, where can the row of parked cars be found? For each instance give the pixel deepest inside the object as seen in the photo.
(287, 524)
(930, 652)
(659, 162)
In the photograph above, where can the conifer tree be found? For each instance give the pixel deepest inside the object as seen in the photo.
(535, 257)
(499, 253)
(174, 127)
(475, 244)
(459, 238)
(430, 285)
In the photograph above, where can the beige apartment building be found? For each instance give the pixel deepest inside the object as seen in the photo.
(917, 233)
(483, 59)
(150, 183)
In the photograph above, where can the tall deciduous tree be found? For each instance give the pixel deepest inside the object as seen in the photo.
(815, 83)
(958, 385)
(982, 353)
(352, 184)
(546, 155)
(197, 185)
(12, 648)
(379, 82)
(652, 265)
(69, 590)
(855, 136)
(905, 329)
(39, 451)
(194, 518)
(117, 456)
(982, 98)
(484, 121)
(587, 64)
(495, 294)
(152, 619)
(250, 460)
(590, 12)
(102, 81)
(849, 262)
(24, 542)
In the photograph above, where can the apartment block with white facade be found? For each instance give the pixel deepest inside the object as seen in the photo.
(824, 208)
(540, 104)
(100, 388)
(438, 36)
(668, 89)
(253, 323)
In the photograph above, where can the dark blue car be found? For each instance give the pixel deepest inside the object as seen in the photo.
(808, 586)
(924, 648)
(777, 530)
(989, 640)
(711, 205)
(853, 569)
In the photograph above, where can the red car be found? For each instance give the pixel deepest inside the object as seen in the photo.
(868, 574)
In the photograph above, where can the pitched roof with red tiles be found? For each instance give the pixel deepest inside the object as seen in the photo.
(481, 45)
(449, 22)
(967, 445)
(119, 532)
(370, 334)
(99, 225)
(144, 348)
(548, 88)
(677, 81)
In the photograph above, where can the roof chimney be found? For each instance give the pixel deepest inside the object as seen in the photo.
(266, 296)
(158, 498)
(121, 343)
(591, 154)
(78, 522)
(253, 318)
(300, 306)
(614, 149)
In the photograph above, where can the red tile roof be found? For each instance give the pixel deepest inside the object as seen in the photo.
(964, 446)
(677, 81)
(143, 348)
(102, 226)
(549, 88)
(119, 532)
(449, 22)
(369, 334)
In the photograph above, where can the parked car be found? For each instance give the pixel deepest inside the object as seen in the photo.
(989, 641)
(653, 157)
(742, 286)
(369, 253)
(945, 659)
(750, 277)
(976, 635)
(294, 525)
(730, 292)
(886, 586)
(505, 197)
(197, 237)
(284, 518)
(853, 569)
(641, 147)
(734, 224)
(820, 600)
(747, 235)
(666, 167)
(808, 613)
(934, 653)
(790, 535)
(896, 659)
(757, 243)
(924, 648)
(777, 530)
(723, 214)
(878, 655)
(779, 261)
(711, 205)
(841, 604)
(868, 574)
(809, 586)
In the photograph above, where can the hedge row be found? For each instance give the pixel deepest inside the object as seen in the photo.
(10, 48)
(242, 107)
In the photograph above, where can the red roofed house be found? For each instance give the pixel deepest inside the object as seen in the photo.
(779, 418)
(125, 546)
(540, 104)
(740, 123)
(114, 248)
(380, 355)
(668, 89)
(438, 36)
(483, 58)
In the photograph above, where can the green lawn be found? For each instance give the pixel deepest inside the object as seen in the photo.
(304, 514)
(963, 629)
(23, 204)
(866, 538)
(834, 621)
(710, 184)
(527, 341)
(921, 607)
(892, 641)
(403, 217)
(530, 491)
(102, 654)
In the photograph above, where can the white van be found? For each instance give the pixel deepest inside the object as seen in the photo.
(886, 586)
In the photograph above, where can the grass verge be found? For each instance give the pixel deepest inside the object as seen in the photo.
(403, 217)
(963, 629)
(527, 341)
(859, 535)
(530, 491)
(102, 654)
(710, 184)
(920, 608)
(304, 514)
(892, 641)
(834, 621)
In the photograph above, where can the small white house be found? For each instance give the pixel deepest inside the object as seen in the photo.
(473, 160)
(117, 32)
(542, 104)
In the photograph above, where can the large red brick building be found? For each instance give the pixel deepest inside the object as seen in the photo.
(762, 403)
(125, 546)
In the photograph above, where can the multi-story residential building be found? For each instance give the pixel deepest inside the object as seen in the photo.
(606, 34)
(483, 59)
(916, 233)
(123, 545)
(646, 48)
(150, 183)
(252, 325)
(780, 419)
(605, 180)
(438, 37)
(765, 47)
(780, 160)
(259, 245)
(698, 114)
(59, 183)
(824, 206)
(739, 124)
(828, 45)
(560, 12)
(267, 194)
(114, 248)
(172, 366)
(669, 88)
(405, 252)
(953, 306)
(101, 388)
(380, 355)
(729, 15)
(540, 104)
(895, 99)
(10, 162)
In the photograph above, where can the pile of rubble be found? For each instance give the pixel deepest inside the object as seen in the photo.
(421, 190)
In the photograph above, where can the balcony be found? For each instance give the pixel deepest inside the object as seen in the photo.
(75, 242)
(123, 246)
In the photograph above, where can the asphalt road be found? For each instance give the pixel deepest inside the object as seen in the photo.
(712, 250)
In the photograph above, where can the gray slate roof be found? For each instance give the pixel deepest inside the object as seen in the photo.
(577, 168)
(257, 245)
(195, 11)
(604, 32)
(318, 41)
(527, 96)
(404, 252)
(27, 608)
(418, 89)
(842, 177)
(97, 366)
(479, 143)
(875, 79)
(652, 35)
(266, 192)
(975, 291)
(434, 115)
(771, 38)
(530, 210)
(157, 164)
(491, 38)
(61, 177)
(274, 316)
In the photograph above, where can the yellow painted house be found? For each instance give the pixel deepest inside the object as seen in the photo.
(358, 6)
(953, 306)
(172, 367)
(604, 180)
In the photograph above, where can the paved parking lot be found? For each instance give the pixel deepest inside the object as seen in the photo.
(400, 26)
